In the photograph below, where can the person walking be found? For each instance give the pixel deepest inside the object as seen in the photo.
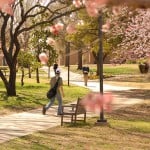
(59, 94)
(85, 70)
(55, 66)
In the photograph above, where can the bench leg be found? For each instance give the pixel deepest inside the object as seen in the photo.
(75, 119)
(84, 117)
(61, 120)
(71, 118)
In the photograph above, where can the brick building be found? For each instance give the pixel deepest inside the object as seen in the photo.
(87, 58)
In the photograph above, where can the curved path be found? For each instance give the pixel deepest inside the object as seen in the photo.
(94, 85)
(20, 124)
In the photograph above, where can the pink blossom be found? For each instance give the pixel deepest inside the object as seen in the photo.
(55, 29)
(50, 41)
(7, 9)
(77, 3)
(92, 7)
(5, 6)
(92, 11)
(115, 10)
(95, 3)
(106, 27)
(71, 29)
(59, 26)
(96, 6)
(43, 58)
(95, 101)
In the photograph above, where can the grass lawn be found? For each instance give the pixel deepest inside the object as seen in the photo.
(127, 129)
(110, 69)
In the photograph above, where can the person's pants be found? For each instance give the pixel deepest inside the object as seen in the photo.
(85, 79)
(59, 98)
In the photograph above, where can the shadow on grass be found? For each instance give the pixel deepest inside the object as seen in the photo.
(31, 87)
(77, 124)
(23, 101)
(129, 78)
(134, 93)
(3, 95)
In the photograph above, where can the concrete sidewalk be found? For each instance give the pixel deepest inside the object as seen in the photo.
(118, 102)
(24, 123)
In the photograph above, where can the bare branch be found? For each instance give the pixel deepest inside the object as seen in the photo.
(50, 20)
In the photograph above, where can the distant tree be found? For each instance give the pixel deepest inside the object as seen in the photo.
(38, 43)
(26, 60)
(87, 37)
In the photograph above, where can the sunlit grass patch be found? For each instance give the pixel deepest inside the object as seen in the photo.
(109, 69)
(131, 125)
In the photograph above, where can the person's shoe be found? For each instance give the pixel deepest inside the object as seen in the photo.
(44, 110)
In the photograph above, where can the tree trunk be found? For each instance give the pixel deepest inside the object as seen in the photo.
(22, 76)
(96, 57)
(80, 60)
(29, 69)
(48, 71)
(67, 54)
(11, 85)
(37, 76)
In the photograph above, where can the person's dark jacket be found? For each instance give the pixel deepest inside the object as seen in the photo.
(85, 70)
(55, 66)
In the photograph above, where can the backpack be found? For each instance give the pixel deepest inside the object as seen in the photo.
(52, 91)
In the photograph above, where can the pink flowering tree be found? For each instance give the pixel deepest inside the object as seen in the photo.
(130, 30)
(19, 16)
(6, 6)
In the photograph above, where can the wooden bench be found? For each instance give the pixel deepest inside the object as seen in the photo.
(73, 110)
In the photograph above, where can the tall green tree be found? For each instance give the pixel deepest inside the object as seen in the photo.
(26, 60)
(87, 37)
(38, 43)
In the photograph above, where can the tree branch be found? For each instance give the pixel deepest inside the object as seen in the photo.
(48, 21)
(3, 37)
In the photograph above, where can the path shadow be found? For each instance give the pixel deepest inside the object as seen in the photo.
(134, 93)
